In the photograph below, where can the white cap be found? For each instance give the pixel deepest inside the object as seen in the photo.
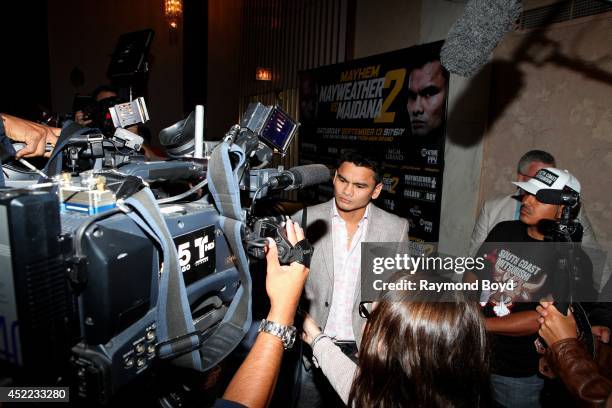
(549, 178)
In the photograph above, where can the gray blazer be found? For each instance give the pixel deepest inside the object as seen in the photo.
(318, 292)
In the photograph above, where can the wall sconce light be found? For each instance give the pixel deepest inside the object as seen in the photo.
(173, 11)
(263, 74)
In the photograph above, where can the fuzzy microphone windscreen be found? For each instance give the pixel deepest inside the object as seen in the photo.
(475, 34)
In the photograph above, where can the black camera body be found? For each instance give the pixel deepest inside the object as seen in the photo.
(89, 287)
(273, 227)
(80, 284)
(270, 227)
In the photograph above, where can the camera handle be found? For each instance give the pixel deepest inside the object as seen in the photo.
(173, 313)
(179, 340)
(567, 271)
(567, 268)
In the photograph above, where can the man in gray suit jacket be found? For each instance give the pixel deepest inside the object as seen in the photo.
(336, 229)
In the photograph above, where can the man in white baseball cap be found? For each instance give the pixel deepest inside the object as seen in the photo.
(510, 316)
(548, 191)
(550, 178)
(508, 206)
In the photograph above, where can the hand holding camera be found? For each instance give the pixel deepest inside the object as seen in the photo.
(277, 229)
(82, 118)
(34, 135)
(284, 283)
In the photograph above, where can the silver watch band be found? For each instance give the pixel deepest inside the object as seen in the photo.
(285, 333)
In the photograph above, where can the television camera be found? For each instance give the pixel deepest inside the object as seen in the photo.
(108, 276)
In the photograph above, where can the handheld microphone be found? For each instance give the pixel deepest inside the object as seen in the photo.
(472, 38)
(557, 197)
(299, 177)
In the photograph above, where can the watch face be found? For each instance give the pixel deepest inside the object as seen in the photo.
(289, 338)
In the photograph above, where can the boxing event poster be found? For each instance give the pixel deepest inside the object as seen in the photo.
(391, 106)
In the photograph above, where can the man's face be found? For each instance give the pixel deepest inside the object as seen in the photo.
(533, 211)
(354, 187)
(531, 171)
(426, 94)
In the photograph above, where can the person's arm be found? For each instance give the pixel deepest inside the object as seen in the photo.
(570, 359)
(579, 372)
(469, 277)
(336, 366)
(34, 135)
(253, 384)
(515, 324)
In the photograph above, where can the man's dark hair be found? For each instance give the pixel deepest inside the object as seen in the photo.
(534, 156)
(361, 160)
(104, 88)
(426, 54)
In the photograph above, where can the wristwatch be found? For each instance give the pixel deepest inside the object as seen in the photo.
(285, 333)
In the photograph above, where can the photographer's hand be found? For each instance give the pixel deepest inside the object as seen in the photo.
(555, 326)
(79, 117)
(284, 284)
(253, 384)
(34, 135)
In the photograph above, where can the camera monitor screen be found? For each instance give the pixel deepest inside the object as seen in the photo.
(279, 129)
(130, 54)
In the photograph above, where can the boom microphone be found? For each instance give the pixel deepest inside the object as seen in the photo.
(556, 197)
(475, 34)
(300, 176)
